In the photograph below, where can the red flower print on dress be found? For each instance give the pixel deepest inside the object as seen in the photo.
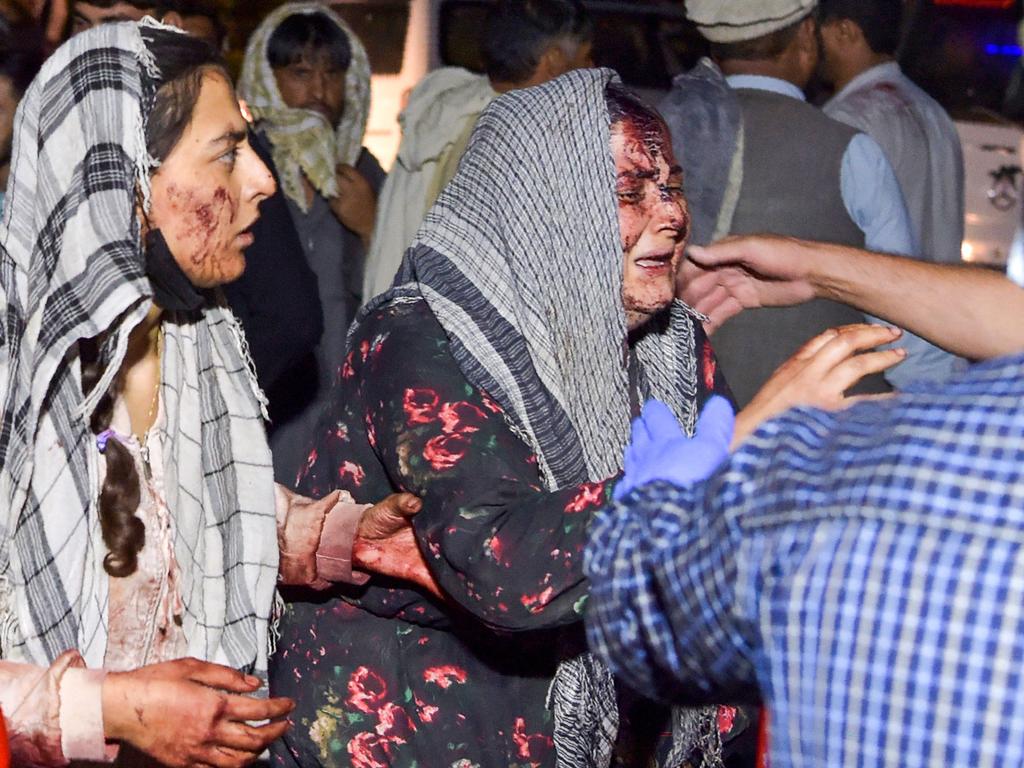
(445, 675)
(378, 345)
(371, 432)
(708, 365)
(366, 690)
(394, 723)
(353, 471)
(445, 451)
(364, 349)
(427, 712)
(368, 750)
(495, 549)
(490, 404)
(536, 603)
(347, 371)
(589, 495)
(461, 418)
(534, 747)
(726, 718)
(420, 406)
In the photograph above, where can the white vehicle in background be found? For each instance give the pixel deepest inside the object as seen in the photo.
(646, 42)
(966, 54)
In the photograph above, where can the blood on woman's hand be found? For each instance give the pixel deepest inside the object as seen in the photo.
(189, 713)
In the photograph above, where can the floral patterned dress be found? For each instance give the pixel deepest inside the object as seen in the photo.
(386, 676)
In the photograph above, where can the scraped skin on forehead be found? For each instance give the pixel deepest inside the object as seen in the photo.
(653, 218)
(206, 194)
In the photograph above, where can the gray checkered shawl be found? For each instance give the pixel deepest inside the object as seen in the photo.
(520, 261)
(71, 267)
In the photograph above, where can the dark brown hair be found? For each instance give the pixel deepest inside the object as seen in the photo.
(183, 61)
(880, 21)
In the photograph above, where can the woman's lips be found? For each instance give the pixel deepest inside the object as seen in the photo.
(654, 263)
(244, 239)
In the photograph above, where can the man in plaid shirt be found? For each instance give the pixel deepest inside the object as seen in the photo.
(861, 571)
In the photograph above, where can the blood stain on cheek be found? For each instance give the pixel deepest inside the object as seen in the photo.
(200, 217)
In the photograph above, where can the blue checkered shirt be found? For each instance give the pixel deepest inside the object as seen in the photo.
(863, 570)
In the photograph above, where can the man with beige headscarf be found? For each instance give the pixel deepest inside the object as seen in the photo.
(758, 158)
(306, 79)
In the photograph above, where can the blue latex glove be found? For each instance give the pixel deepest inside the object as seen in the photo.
(659, 449)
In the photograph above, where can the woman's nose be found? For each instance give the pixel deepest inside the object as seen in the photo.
(671, 211)
(259, 180)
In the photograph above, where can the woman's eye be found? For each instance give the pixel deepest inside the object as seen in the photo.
(229, 157)
(629, 195)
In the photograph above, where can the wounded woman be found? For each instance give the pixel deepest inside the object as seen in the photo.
(137, 504)
(532, 317)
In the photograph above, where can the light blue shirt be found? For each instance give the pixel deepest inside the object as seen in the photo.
(872, 197)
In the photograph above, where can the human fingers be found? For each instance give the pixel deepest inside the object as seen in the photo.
(720, 314)
(217, 756)
(812, 347)
(218, 676)
(768, 255)
(249, 738)
(243, 708)
(694, 282)
(848, 341)
(848, 372)
(398, 505)
(409, 503)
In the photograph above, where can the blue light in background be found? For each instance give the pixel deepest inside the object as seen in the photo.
(995, 49)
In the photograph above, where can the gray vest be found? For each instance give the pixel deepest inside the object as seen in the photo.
(792, 163)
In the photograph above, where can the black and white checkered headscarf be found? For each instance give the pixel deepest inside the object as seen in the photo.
(520, 260)
(71, 267)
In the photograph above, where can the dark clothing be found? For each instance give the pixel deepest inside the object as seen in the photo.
(275, 299)
(793, 189)
(789, 183)
(336, 257)
(792, 166)
(385, 676)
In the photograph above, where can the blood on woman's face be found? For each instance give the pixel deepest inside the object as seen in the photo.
(653, 218)
(206, 194)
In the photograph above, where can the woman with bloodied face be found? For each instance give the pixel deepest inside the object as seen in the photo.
(141, 536)
(533, 315)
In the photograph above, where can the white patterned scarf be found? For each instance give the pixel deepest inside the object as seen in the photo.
(520, 260)
(72, 267)
(303, 141)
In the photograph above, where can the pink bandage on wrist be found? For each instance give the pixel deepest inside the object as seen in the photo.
(81, 716)
(334, 554)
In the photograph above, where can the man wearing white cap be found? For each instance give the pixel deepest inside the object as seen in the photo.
(758, 158)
